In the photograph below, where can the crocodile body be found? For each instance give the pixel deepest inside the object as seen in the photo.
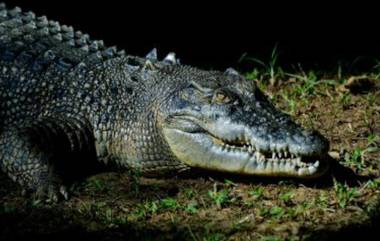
(68, 103)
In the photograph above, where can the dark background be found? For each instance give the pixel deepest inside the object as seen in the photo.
(217, 35)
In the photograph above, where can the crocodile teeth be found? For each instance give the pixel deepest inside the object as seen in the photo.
(288, 166)
(262, 158)
(298, 161)
(303, 171)
(312, 169)
(316, 164)
(257, 154)
(280, 159)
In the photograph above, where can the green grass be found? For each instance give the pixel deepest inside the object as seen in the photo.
(192, 208)
(135, 180)
(219, 197)
(299, 211)
(307, 85)
(344, 194)
(277, 212)
(7, 208)
(291, 101)
(355, 158)
(213, 237)
(345, 100)
(189, 193)
(257, 192)
(149, 208)
(373, 139)
(268, 71)
(169, 203)
(358, 155)
(146, 209)
(322, 200)
(371, 99)
(96, 185)
(271, 238)
(373, 184)
(287, 196)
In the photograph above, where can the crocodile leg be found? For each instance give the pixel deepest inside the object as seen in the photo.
(30, 165)
(43, 157)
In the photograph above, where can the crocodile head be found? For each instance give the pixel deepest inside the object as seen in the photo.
(222, 122)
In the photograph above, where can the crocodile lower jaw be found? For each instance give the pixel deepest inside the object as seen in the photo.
(271, 162)
(208, 152)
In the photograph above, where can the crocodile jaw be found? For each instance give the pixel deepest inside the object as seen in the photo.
(208, 152)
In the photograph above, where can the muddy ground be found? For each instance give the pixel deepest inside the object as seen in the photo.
(206, 206)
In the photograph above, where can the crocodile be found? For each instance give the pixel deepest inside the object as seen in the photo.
(70, 107)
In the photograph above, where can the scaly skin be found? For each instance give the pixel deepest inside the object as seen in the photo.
(68, 104)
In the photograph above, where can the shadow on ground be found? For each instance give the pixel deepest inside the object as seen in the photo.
(58, 223)
(51, 224)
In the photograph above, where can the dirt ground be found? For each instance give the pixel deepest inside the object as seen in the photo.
(210, 207)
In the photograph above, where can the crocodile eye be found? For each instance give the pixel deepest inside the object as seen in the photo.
(221, 98)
